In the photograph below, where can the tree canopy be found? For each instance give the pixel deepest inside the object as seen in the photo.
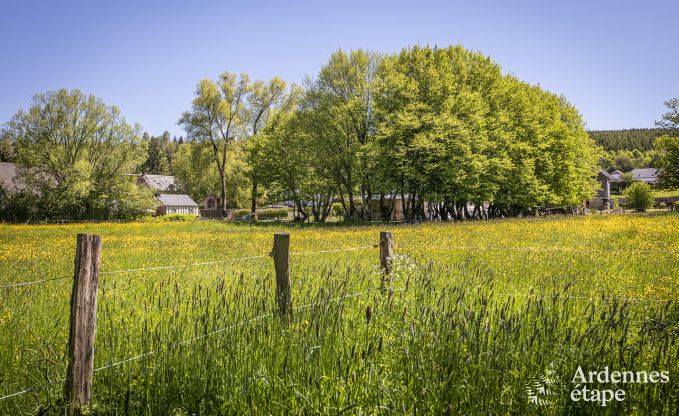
(442, 128)
(73, 152)
(668, 147)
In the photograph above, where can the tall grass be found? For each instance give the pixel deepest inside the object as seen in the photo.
(460, 332)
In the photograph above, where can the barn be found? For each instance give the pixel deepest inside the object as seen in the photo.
(176, 204)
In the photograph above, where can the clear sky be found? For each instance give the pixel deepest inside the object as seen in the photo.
(616, 61)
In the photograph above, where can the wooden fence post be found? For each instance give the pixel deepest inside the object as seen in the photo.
(83, 323)
(281, 257)
(386, 256)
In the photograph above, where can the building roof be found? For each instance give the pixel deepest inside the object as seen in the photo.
(161, 183)
(645, 174)
(176, 200)
(605, 174)
(8, 177)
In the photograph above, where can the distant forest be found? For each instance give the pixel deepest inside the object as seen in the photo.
(627, 139)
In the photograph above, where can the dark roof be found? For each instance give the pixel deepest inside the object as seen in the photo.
(605, 174)
(159, 182)
(645, 174)
(176, 200)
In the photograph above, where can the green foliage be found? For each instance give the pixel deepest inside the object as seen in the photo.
(639, 196)
(668, 162)
(171, 218)
(264, 214)
(626, 139)
(197, 175)
(337, 209)
(73, 152)
(454, 130)
(161, 150)
(670, 119)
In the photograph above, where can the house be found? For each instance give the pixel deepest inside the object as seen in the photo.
(648, 175)
(159, 183)
(176, 204)
(602, 200)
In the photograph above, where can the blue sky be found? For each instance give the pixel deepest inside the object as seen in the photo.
(616, 61)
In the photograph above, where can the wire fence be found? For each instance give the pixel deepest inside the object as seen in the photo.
(398, 246)
(346, 296)
(546, 249)
(184, 266)
(193, 339)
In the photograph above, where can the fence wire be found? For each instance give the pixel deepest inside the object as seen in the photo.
(183, 266)
(543, 249)
(196, 338)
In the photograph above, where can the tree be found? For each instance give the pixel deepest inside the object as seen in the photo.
(156, 161)
(262, 100)
(639, 196)
(196, 173)
(454, 132)
(339, 114)
(670, 120)
(74, 151)
(624, 162)
(667, 147)
(668, 162)
(290, 162)
(216, 116)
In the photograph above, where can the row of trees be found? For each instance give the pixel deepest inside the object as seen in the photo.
(628, 139)
(443, 129)
(439, 128)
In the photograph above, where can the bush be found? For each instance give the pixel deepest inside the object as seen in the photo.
(337, 209)
(263, 214)
(272, 213)
(639, 196)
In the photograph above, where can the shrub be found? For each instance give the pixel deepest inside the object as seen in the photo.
(337, 209)
(639, 196)
(263, 214)
(272, 213)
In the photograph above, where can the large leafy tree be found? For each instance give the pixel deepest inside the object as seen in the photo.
(339, 114)
(453, 131)
(667, 147)
(292, 163)
(217, 115)
(196, 173)
(263, 100)
(74, 151)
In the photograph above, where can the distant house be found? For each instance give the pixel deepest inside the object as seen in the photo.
(648, 175)
(159, 183)
(602, 200)
(176, 204)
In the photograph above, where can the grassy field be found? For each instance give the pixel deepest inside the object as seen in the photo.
(479, 313)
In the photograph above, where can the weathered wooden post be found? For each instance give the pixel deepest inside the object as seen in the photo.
(386, 256)
(83, 323)
(281, 257)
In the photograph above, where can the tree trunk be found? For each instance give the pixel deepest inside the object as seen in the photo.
(222, 184)
(253, 207)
